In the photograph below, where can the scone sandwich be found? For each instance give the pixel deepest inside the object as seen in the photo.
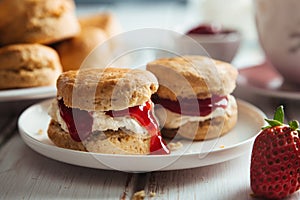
(106, 111)
(194, 97)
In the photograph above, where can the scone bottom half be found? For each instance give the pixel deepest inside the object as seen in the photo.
(100, 125)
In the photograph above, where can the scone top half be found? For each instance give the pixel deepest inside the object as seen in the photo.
(194, 89)
(193, 76)
(106, 89)
(112, 102)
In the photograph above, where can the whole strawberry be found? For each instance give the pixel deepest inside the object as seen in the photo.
(275, 159)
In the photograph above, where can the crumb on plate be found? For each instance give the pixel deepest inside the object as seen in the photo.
(140, 195)
(175, 146)
(40, 132)
(152, 194)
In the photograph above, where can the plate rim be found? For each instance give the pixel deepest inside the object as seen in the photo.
(27, 93)
(31, 139)
(265, 91)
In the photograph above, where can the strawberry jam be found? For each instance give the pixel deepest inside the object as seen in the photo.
(192, 107)
(79, 122)
(143, 114)
(208, 29)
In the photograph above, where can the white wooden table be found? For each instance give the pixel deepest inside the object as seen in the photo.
(25, 174)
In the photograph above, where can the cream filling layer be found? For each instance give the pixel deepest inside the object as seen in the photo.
(101, 121)
(171, 120)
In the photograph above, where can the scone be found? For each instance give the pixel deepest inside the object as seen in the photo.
(106, 111)
(36, 21)
(28, 65)
(73, 51)
(109, 23)
(105, 21)
(193, 99)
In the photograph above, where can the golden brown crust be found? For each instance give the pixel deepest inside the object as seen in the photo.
(193, 76)
(28, 65)
(110, 142)
(207, 129)
(35, 21)
(61, 138)
(73, 51)
(110, 25)
(106, 89)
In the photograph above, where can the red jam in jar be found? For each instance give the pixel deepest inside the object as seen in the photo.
(209, 29)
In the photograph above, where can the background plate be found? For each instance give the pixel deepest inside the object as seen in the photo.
(34, 121)
(27, 93)
(263, 79)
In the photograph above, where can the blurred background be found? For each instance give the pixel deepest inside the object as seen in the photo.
(180, 15)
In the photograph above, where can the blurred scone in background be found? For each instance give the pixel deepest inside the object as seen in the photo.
(41, 38)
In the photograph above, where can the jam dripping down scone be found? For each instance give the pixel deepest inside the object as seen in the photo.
(106, 111)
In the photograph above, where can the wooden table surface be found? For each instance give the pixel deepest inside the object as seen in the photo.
(25, 174)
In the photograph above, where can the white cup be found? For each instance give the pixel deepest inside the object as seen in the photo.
(278, 26)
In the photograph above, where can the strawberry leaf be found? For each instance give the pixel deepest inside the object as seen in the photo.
(273, 122)
(294, 124)
(279, 114)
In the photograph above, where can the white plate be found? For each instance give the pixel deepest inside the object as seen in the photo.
(27, 93)
(263, 79)
(33, 124)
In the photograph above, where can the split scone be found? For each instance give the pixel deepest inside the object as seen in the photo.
(106, 111)
(194, 98)
(28, 65)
